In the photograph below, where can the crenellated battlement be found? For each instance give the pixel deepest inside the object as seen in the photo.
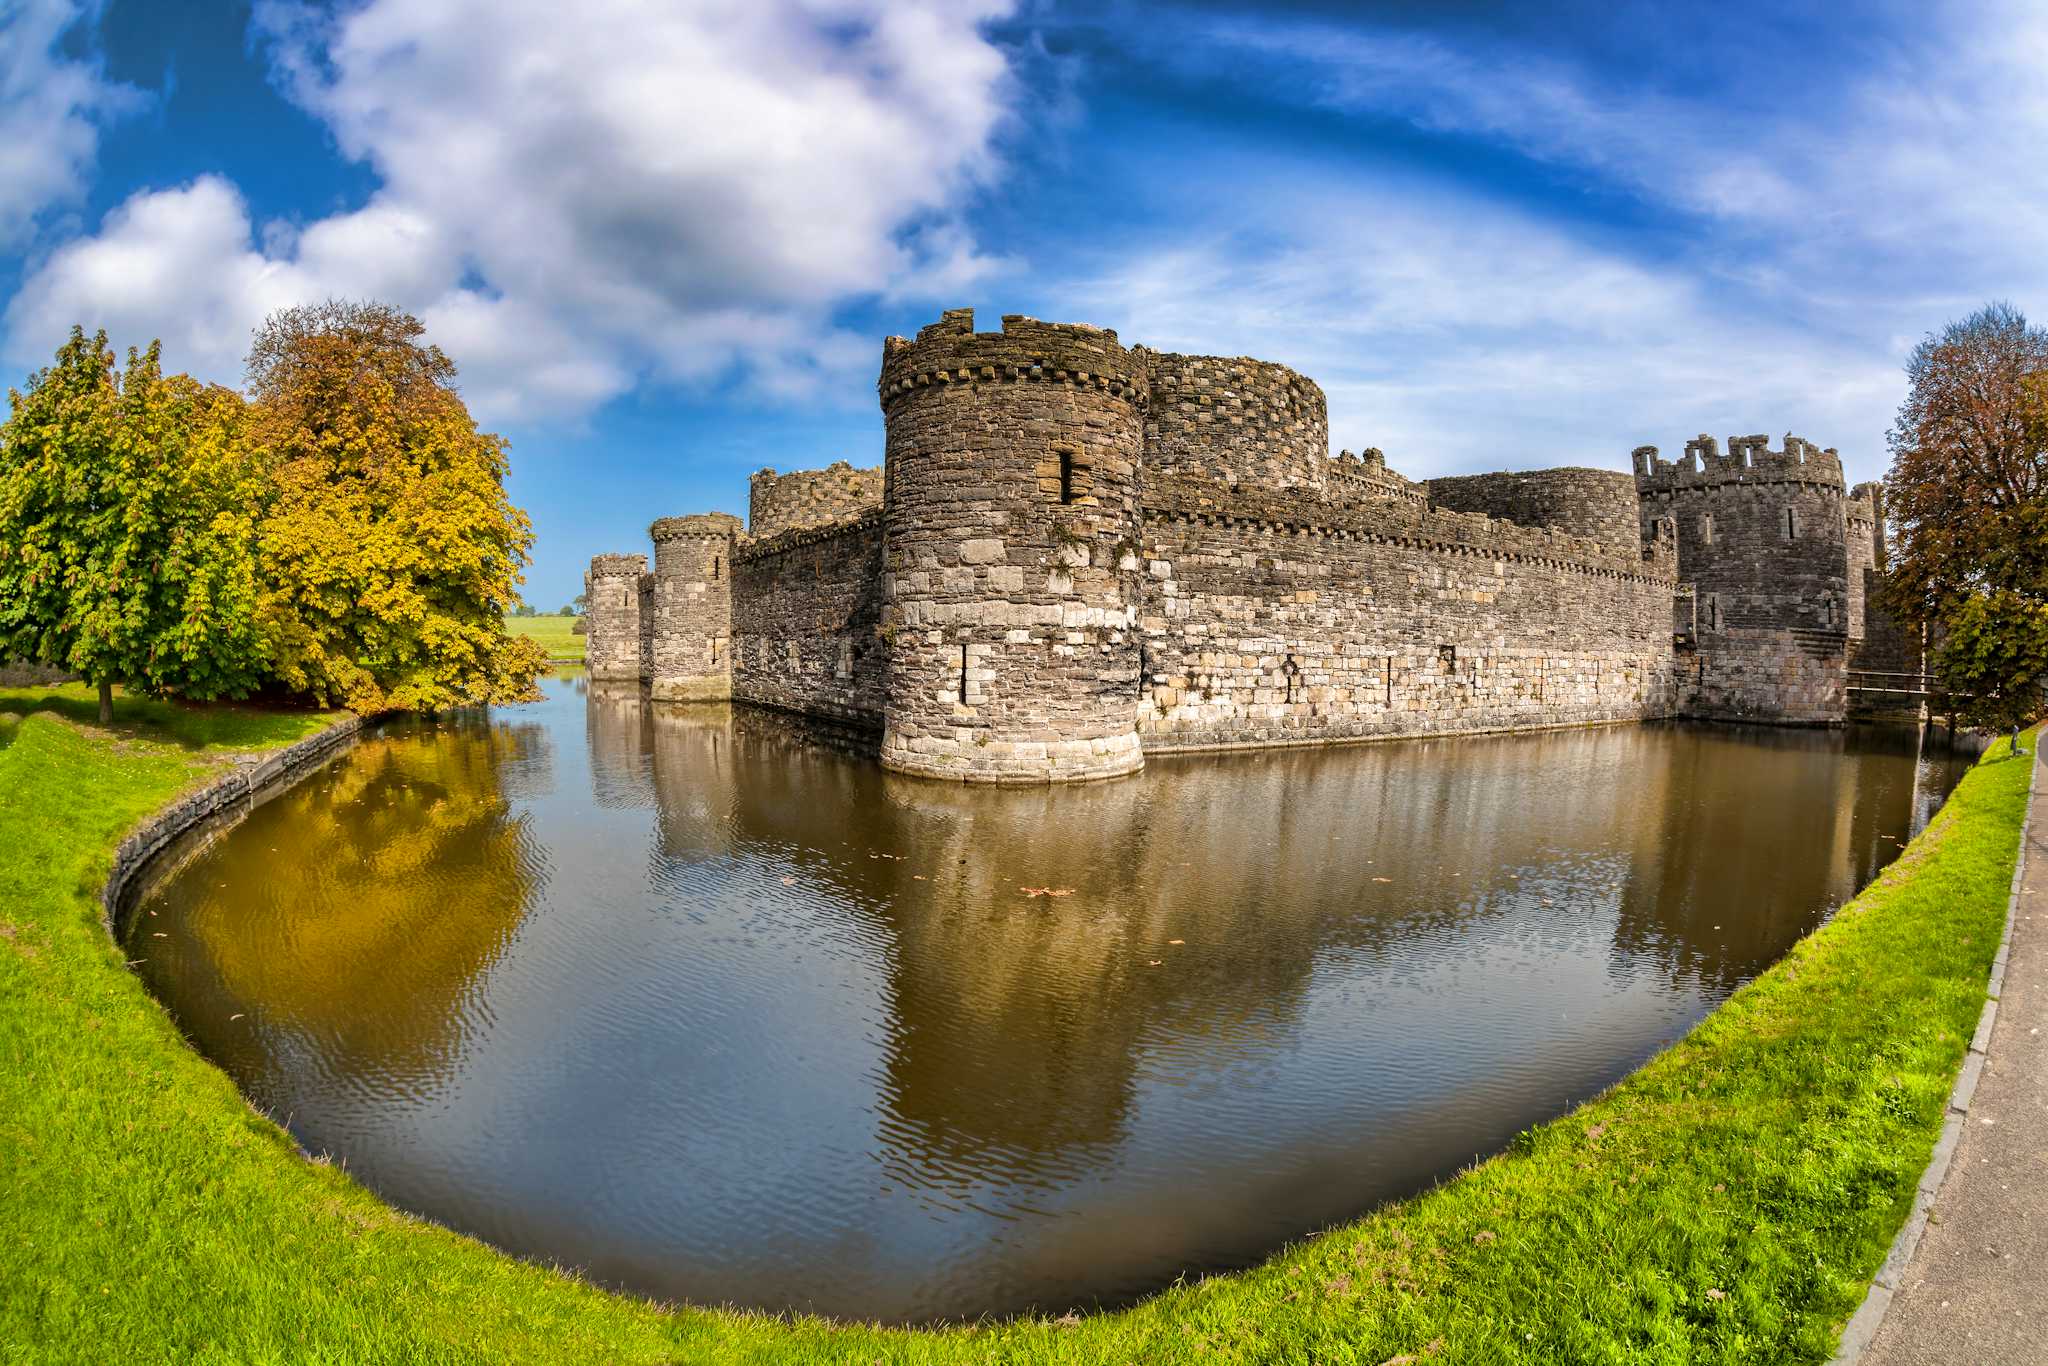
(618, 566)
(950, 352)
(1368, 477)
(1750, 460)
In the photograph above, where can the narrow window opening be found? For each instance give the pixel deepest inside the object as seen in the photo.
(1828, 610)
(1447, 658)
(1707, 529)
(1791, 523)
(963, 674)
(1066, 476)
(1713, 612)
(714, 567)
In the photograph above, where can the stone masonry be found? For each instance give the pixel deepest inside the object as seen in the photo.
(1763, 536)
(1078, 552)
(810, 498)
(691, 620)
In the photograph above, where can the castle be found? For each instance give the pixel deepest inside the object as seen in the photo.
(1077, 553)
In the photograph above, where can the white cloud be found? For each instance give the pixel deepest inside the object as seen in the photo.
(572, 206)
(1459, 334)
(51, 110)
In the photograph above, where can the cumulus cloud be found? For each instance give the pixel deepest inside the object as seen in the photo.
(573, 206)
(51, 110)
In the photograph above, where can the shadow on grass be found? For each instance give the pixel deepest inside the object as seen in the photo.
(189, 725)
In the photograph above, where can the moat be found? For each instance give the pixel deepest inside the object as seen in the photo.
(680, 995)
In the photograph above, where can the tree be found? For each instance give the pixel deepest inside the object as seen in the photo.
(568, 610)
(126, 518)
(1968, 491)
(389, 553)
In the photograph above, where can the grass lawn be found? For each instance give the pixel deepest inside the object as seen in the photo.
(1726, 1203)
(552, 632)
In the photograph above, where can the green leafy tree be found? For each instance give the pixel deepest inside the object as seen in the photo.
(127, 509)
(1968, 492)
(389, 552)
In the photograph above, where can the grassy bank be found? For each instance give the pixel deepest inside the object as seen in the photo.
(554, 634)
(1723, 1204)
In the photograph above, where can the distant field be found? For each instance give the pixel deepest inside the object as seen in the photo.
(552, 632)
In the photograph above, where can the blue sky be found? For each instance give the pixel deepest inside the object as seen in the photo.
(663, 242)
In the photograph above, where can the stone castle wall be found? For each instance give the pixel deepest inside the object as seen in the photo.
(1599, 505)
(1284, 621)
(807, 608)
(1237, 420)
(1078, 552)
(810, 498)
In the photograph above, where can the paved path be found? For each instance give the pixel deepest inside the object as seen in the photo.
(1975, 1289)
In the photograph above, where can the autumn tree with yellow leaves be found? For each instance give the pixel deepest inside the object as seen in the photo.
(344, 535)
(388, 551)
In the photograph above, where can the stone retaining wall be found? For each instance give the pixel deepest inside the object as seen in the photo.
(226, 796)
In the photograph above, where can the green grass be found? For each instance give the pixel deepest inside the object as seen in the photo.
(552, 632)
(1726, 1203)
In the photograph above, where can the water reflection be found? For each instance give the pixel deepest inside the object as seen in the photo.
(702, 1001)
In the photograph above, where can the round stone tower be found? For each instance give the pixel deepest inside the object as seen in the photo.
(691, 629)
(1010, 513)
(615, 644)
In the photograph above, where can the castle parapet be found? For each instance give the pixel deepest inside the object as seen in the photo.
(810, 498)
(951, 353)
(1598, 505)
(1243, 421)
(1749, 460)
(1368, 477)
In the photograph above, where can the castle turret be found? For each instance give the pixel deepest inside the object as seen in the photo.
(1763, 540)
(617, 640)
(691, 636)
(1010, 534)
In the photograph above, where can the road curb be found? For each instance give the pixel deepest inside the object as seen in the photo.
(1862, 1328)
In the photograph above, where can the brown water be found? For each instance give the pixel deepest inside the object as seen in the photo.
(680, 996)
